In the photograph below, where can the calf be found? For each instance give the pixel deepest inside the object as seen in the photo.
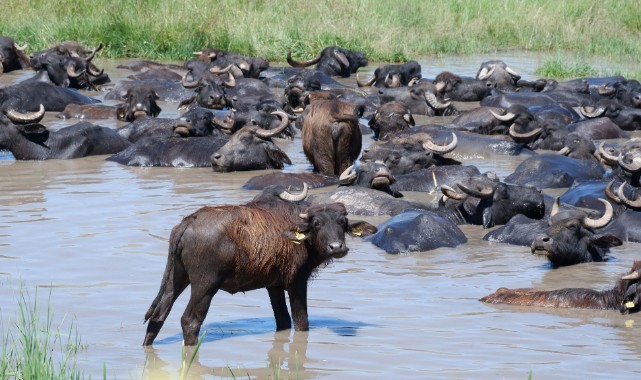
(625, 296)
(242, 248)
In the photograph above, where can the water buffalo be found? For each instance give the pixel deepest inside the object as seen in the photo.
(453, 87)
(248, 247)
(139, 101)
(12, 56)
(374, 175)
(570, 238)
(293, 181)
(628, 118)
(390, 118)
(420, 99)
(251, 148)
(28, 96)
(30, 140)
(498, 74)
(413, 230)
(484, 200)
(331, 135)
(167, 90)
(554, 171)
(88, 111)
(333, 60)
(393, 75)
(625, 296)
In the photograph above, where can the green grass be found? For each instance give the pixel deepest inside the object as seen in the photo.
(384, 30)
(33, 348)
(559, 68)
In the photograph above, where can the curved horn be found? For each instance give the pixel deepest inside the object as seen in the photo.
(592, 114)
(441, 149)
(217, 70)
(18, 47)
(512, 73)
(632, 276)
(485, 192)
(610, 194)
(507, 117)
(633, 166)
(348, 175)
(555, 207)
(606, 90)
(93, 52)
(528, 135)
(628, 202)
(71, 71)
(284, 121)
(368, 83)
(603, 220)
(294, 63)
(485, 73)
(606, 157)
(413, 81)
(231, 80)
(564, 151)
(451, 193)
(227, 125)
(197, 53)
(392, 82)
(434, 103)
(287, 196)
(187, 83)
(27, 117)
(90, 69)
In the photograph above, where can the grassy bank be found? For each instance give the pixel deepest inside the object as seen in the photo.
(33, 348)
(385, 30)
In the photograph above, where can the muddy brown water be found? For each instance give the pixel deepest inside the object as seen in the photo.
(90, 237)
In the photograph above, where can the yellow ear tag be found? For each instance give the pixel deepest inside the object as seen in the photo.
(357, 233)
(629, 323)
(629, 305)
(299, 236)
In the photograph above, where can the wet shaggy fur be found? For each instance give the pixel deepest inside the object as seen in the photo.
(579, 298)
(332, 139)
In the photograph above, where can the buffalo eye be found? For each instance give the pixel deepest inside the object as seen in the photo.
(317, 224)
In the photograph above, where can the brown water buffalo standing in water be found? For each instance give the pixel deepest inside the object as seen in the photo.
(625, 296)
(262, 244)
(332, 139)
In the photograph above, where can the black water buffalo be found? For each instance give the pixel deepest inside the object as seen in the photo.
(167, 90)
(554, 171)
(185, 152)
(30, 140)
(12, 56)
(390, 118)
(412, 231)
(374, 175)
(626, 158)
(420, 99)
(570, 238)
(333, 60)
(404, 154)
(498, 74)
(431, 179)
(628, 118)
(331, 135)
(293, 181)
(139, 101)
(88, 111)
(484, 200)
(625, 296)
(393, 75)
(28, 96)
(453, 87)
(251, 148)
(239, 65)
(242, 248)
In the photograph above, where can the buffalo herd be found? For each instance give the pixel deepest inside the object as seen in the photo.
(575, 135)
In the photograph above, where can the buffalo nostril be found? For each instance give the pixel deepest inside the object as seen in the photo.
(545, 239)
(217, 156)
(335, 246)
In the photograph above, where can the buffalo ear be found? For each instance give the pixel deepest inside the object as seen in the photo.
(184, 104)
(297, 233)
(278, 157)
(605, 241)
(360, 228)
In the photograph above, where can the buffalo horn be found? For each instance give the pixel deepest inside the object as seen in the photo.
(266, 133)
(512, 73)
(439, 86)
(632, 276)
(509, 116)
(451, 193)
(441, 149)
(603, 220)
(555, 207)
(294, 63)
(287, 196)
(217, 70)
(226, 125)
(434, 103)
(348, 175)
(413, 81)
(367, 83)
(341, 58)
(231, 80)
(187, 83)
(564, 151)
(94, 73)
(610, 194)
(485, 73)
(392, 82)
(528, 135)
(633, 166)
(606, 90)
(71, 71)
(591, 114)
(197, 53)
(606, 157)
(1, 66)
(27, 117)
(18, 47)
(93, 52)
(485, 192)
(628, 202)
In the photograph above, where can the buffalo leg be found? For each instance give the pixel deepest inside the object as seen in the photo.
(298, 302)
(197, 308)
(279, 305)
(174, 284)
